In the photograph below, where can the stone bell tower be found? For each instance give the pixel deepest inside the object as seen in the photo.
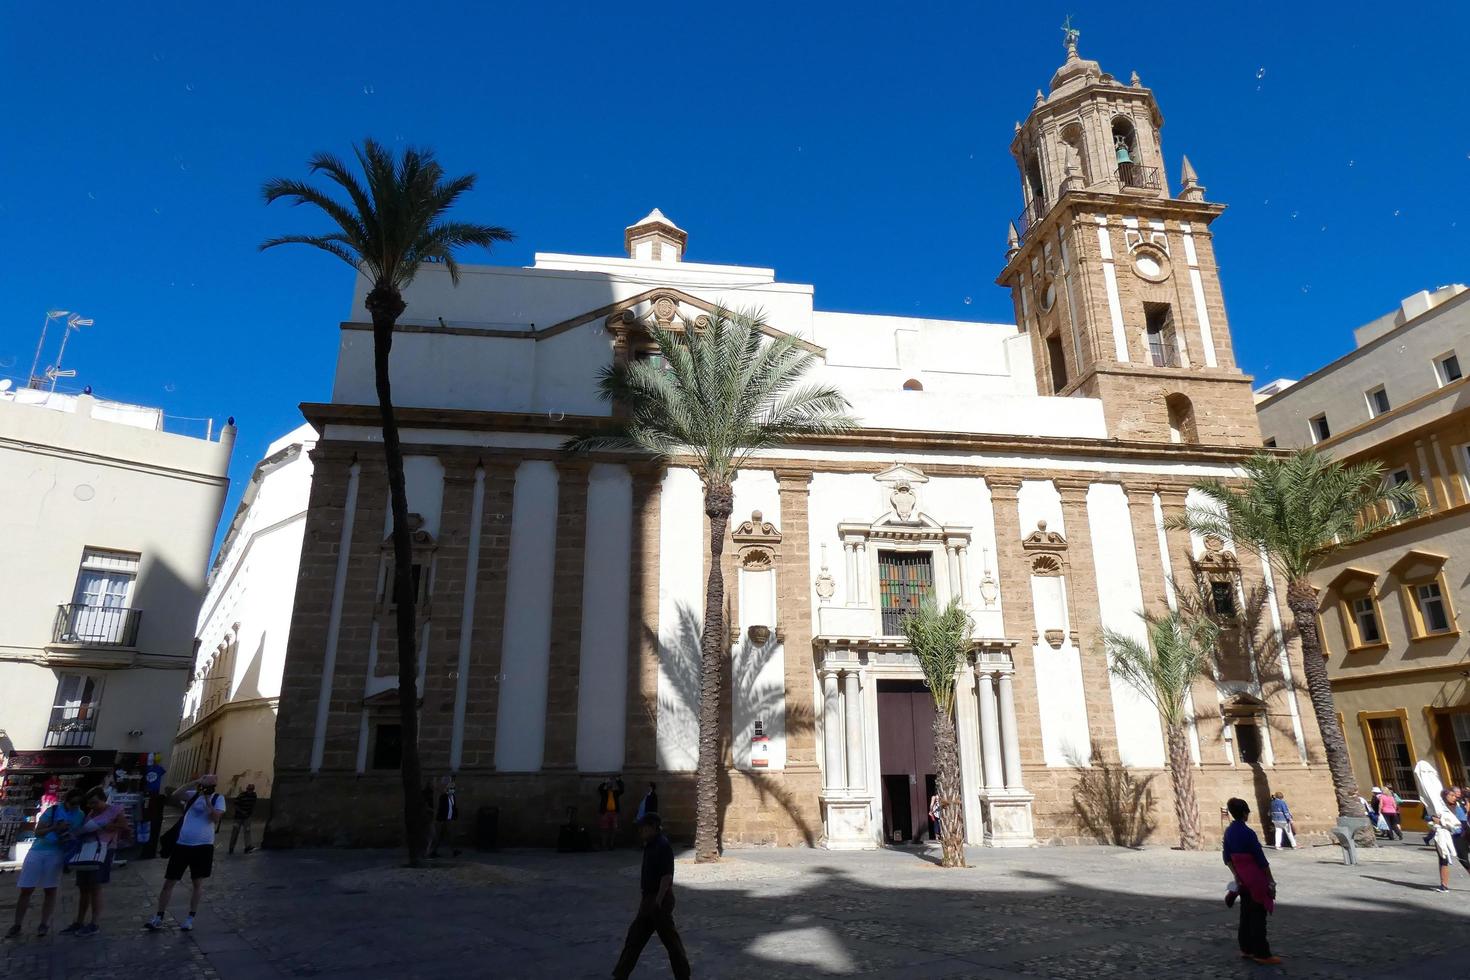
(1113, 276)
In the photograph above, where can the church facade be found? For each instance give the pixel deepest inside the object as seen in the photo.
(1028, 468)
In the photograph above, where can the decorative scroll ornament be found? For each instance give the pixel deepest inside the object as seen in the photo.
(757, 542)
(1046, 566)
(1043, 540)
(1217, 557)
(419, 538)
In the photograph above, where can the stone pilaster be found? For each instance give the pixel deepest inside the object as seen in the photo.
(311, 612)
(564, 663)
(436, 721)
(482, 700)
(1097, 685)
(1020, 622)
(1208, 724)
(641, 746)
(794, 580)
(359, 611)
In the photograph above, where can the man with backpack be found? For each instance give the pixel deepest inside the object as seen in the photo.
(189, 844)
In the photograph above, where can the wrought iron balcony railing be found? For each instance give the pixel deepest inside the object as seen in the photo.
(112, 626)
(1139, 176)
(72, 727)
(1033, 212)
(1164, 354)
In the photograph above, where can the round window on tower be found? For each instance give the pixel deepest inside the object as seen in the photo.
(1150, 262)
(1048, 294)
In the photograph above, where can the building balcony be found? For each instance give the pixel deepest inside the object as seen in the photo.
(1135, 176)
(71, 732)
(78, 624)
(1033, 212)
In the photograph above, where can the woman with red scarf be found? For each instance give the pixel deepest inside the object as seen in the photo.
(1245, 858)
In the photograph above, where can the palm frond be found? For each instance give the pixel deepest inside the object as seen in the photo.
(940, 640)
(1299, 509)
(390, 223)
(1176, 648)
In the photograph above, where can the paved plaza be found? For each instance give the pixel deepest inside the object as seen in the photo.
(1075, 912)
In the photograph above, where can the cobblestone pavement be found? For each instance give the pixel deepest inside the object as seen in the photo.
(1079, 912)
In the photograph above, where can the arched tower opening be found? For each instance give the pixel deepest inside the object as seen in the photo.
(1181, 419)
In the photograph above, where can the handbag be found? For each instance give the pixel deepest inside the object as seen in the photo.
(90, 856)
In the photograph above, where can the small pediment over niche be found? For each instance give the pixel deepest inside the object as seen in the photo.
(1216, 556)
(1043, 540)
(900, 485)
(1418, 566)
(1242, 705)
(757, 542)
(419, 538)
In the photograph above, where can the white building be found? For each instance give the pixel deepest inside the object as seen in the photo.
(228, 722)
(107, 521)
(1027, 468)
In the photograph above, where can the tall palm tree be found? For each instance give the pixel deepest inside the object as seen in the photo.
(720, 392)
(390, 226)
(940, 639)
(1297, 511)
(1163, 669)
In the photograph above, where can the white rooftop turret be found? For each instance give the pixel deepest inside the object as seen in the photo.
(655, 238)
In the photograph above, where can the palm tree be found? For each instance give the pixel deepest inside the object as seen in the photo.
(940, 639)
(1297, 511)
(1163, 669)
(391, 225)
(720, 392)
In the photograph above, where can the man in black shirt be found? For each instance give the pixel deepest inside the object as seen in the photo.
(244, 809)
(656, 904)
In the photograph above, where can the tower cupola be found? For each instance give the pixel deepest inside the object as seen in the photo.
(655, 239)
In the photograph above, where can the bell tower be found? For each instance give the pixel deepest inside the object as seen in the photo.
(1112, 275)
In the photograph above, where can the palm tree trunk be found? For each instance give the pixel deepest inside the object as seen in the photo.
(1301, 599)
(719, 501)
(386, 305)
(1181, 775)
(950, 789)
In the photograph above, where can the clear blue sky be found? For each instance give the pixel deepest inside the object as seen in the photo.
(861, 147)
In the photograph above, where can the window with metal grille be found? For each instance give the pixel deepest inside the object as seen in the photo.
(1163, 347)
(904, 580)
(1391, 753)
(1222, 597)
(1248, 742)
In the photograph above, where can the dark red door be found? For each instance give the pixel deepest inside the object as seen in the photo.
(906, 756)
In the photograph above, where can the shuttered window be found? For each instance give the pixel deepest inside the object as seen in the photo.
(904, 579)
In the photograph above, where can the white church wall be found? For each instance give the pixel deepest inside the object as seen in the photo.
(567, 367)
(966, 501)
(438, 370)
(520, 727)
(423, 484)
(758, 673)
(833, 499)
(680, 618)
(1120, 598)
(996, 413)
(602, 702)
(1059, 688)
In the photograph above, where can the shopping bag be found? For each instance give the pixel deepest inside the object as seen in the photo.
(90, 856)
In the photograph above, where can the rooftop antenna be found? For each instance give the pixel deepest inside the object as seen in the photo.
(74, 322)
(34, 381)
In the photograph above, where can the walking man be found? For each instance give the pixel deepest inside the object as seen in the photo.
(655, 905)
(244, 807)
(193, 849)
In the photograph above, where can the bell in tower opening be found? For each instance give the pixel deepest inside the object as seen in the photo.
(1114, 277)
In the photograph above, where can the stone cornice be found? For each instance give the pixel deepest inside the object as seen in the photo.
(890, 440)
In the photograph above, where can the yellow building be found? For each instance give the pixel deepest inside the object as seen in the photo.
(1393, 634)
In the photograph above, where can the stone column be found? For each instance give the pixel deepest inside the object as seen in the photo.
(849, 558)
(1013, 575)
(852, 710)
(961, 558)
(1087, 622)
(1010, 744)
(989, 729)
(565, 656)
(640, 749)
(833, 776)
(1209, 727)
(865, 595)
(952, 562)
(794, 618)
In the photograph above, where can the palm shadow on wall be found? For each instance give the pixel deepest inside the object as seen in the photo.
(678, 704)
(1113, 805)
